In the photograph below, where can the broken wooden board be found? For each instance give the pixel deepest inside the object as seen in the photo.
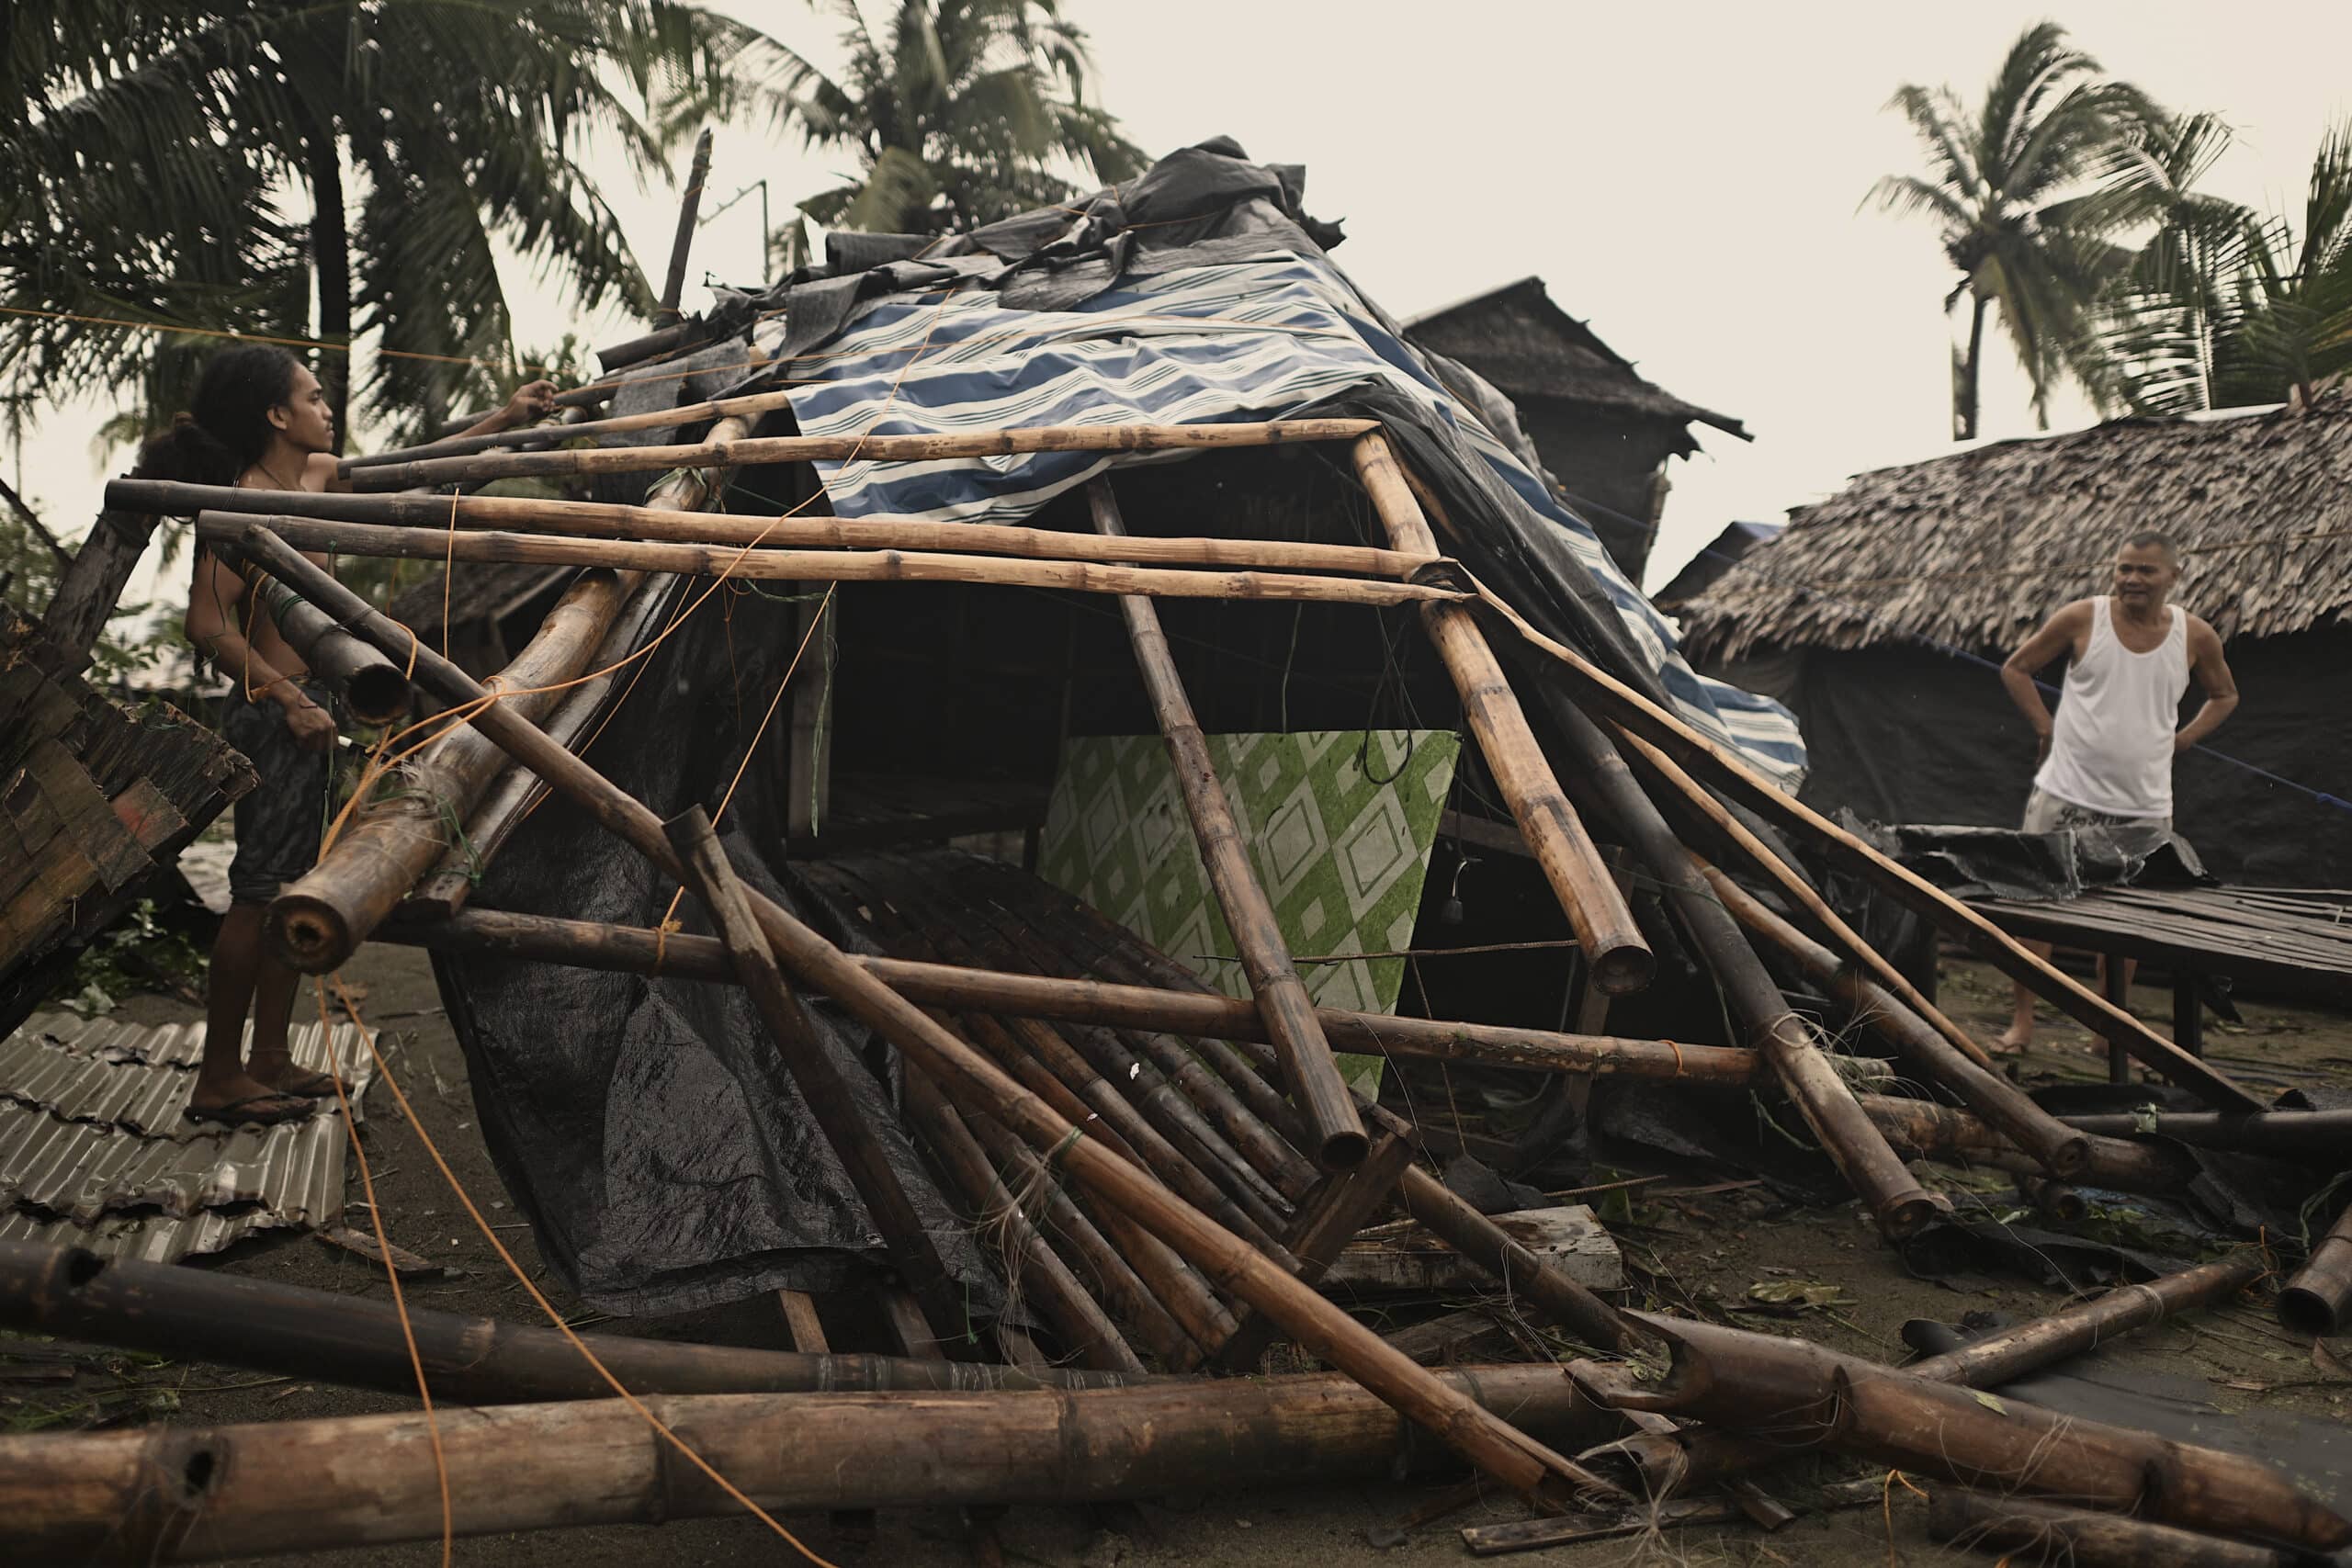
(1408, 1258)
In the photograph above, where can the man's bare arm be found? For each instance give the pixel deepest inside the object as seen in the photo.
(212, 630)
(2056, 636)
(2213, 677)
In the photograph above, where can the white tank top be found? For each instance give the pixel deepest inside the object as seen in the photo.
(2110, 751)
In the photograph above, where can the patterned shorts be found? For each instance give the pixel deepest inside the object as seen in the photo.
(280, 820)
(2135, 836)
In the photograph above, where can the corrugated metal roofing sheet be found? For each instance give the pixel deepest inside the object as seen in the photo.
(94, 1151)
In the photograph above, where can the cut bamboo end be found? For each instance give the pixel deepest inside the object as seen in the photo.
(378, 694)
(1624, 969)
(2318, 1300)
(1343, 1151)
(308, 934)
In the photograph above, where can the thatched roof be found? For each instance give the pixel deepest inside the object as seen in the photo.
(1977, 549)
(1517, 338)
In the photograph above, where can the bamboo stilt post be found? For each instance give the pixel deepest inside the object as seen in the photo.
(1803, 894)
(1801, 1394)
(1940, 1132)
(2318, 1300)
(2062, 1150)
(817, 566)
(198, 1493)
(2027, 1532)
(721, 452)
(674, 283)
(820, 1079)
(1671, 734)
(1694, 1458)
(607, 520)
(1321, 1328)
(1032, 1271)
(354, 1342)
(1205, 1017)
(1335, 1136)
(1893, 1195)
(317, 923)
(1613, 943)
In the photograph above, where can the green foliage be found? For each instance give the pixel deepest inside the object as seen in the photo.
(157, 145)
(2029, 196)
(962, 112)
(128, 957)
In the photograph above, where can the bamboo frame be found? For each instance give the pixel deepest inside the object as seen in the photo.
(1509, 1456)
(611, 520)
(1335, 1138)
(735, 451)
(817, 566)
(1613, 943)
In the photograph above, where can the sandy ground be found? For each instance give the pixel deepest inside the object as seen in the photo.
(1715, 1245)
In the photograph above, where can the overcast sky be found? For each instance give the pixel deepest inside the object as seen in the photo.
(1684, 177)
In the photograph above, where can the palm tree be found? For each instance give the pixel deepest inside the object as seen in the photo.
(967, 111)
(167, 151)
(2227, 307)
(2024, 217)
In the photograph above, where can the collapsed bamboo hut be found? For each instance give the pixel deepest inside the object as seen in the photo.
(1037, 738)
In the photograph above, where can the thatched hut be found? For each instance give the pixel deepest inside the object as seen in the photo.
(1878, 612)
(1603, 432)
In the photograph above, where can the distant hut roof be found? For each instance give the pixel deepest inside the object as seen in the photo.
(1517, 338)
(1718, 557)
(483, 591)
(1977, 549)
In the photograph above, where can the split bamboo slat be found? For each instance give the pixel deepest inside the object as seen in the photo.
(815, 566)
(1319, 1326)
(611, 520)
(1613, 943)
(1335, 1134)
(734, 450)
(1630, 710)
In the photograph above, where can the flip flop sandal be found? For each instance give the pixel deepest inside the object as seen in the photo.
(313, 1086)
(265, 1110)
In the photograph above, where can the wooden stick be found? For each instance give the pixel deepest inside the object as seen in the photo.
(674, 283)
(1895, 1197)
(2028, 1532)
(1197, 1014)
(1319, 1326)
(1804, 1395)
(2061, 1150)
(606, 520)
(1335, 1136)
(823, 1083)
(815, 566)
(1613, 943)
(183, 1494)
(1792, 884)
(1670, 733)
(2318, 1300)
(736, 452)
(203, 1315)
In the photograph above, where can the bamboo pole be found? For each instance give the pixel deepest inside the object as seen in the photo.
(1694, 1458)
(729, 452)
(817, 566)
(674, 283)
(186, 1494)
(2283, 1135)
(2061, 1150)
(1613, 943)
(1801, 1394)
(373, 689)
(351, 1341)
(1671, 734)
(2028, 1532)
(1894, 1197)
(1200, 1015)
(750, 403)
(1335, 1136)
(1939, 1131)
(386, 845)
(2318, 1300)
(1802, 893)
(609, 520)
(823, 1083)
(1320, 1327)
(1032, 1270)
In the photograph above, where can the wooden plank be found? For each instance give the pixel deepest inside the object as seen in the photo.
(800, 1321)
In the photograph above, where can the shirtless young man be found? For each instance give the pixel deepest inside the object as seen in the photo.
(2106, 759)
(260, 421)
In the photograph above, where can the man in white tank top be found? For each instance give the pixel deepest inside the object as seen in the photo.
(2107, 759)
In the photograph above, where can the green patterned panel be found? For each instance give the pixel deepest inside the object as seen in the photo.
(1339, 825)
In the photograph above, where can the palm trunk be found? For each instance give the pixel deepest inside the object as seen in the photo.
(331, 265)
(1966, 373)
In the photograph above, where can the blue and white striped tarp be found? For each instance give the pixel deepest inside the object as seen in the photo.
(1226, 344)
